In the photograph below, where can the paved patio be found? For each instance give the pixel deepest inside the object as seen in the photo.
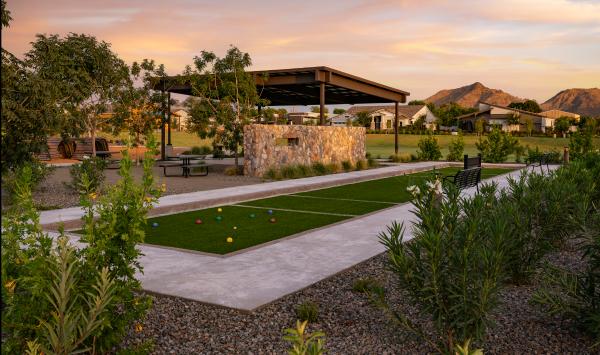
(253, 278)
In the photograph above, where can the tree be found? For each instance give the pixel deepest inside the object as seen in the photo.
(317, 109)
(497, 147)
(95, 78)
(479, 126)
(363, 119)
(448, 113)
(527, 105)
(416, 103)
(528, 121)
(227, 95)
(30, 110)
(338, 111)
(562, 125)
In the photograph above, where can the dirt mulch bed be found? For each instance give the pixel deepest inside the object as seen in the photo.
(351, 323)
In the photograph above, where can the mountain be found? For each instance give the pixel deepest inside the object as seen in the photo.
(470, 95)
(585, 102)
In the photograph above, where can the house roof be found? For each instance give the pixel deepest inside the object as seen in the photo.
(473, 114)
(559, 114)
(405, 110)
(514, 109)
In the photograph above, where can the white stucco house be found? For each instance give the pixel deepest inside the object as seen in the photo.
(382, 117)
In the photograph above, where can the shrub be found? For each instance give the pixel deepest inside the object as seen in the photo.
(319, 168)
(93, 168)
(231, 171)
(365, 285)
(305, 170)
(290, 172)
(308, 311)
(456, 149)
(272, 174)
(305, 344)
(401, 158)
(332, 168)
(201, 150)
(580, 143)
(36, 171)
(347, 165)
(535, 155)
(497, 146)
(429, 148)
(372, 163)
(452, 269)
(361, 165)
(576, 295)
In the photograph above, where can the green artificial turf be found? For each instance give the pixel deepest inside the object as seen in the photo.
(328, 206)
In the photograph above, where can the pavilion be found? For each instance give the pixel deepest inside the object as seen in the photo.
(303, 86)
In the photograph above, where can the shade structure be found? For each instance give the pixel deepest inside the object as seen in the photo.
(307, 86)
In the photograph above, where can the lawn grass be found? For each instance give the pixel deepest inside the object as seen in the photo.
(308, 210)
(383, 144)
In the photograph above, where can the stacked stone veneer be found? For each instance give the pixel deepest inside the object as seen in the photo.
(264, 146)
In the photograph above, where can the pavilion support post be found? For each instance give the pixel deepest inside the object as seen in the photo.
(259, 113)
(169, 119)
(396, 128)
(322, 104)
(162, 130)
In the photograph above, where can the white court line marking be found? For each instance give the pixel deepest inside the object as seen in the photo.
(344, 199)
(300, 211)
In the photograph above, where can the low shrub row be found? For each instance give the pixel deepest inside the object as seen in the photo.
(297, 171)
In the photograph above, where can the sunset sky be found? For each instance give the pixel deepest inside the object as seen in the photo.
(530, 48)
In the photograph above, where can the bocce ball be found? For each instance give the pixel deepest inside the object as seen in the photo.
(198, 221)
(218, 218)
(229, 240)
(234, 228)
(154, 225)
(219, 210)
(252, 215)
(273, 220)
(270, 211)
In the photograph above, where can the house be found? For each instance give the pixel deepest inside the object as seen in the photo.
(553, 115)
(342, 119)
(511, 119)
(300, 118)
(179, 119)
(382, 117)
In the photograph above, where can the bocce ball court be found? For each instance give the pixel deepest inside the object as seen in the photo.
(225, 229)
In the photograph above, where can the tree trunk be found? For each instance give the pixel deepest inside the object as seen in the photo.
(235, 155)
(93, 135)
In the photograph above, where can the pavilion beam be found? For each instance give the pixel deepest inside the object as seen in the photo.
(169, 119)
(322, 103)
(396, 128)
(162, 128)
(340, 81)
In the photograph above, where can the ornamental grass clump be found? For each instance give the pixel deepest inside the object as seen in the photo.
(308, 311)
(453, 268)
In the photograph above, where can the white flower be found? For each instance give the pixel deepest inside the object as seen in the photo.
(413, 190)
(435, 186)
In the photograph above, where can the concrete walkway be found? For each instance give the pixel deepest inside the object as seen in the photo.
(261, 275)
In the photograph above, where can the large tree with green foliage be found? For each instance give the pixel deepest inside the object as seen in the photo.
(228, 97)
(94, 77)
(338, 111)
(448, 113)
(363, 119)
(527, 105)
(562, 125)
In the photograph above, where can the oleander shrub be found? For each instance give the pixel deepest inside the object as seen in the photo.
(303, 343)
(575, 295)
(93, 169)
(453, 268)
(308, 311)
(347, 165)
(429, 149)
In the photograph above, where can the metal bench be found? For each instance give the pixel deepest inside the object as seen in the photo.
(466, 178)
(474, 162)
(540, 160)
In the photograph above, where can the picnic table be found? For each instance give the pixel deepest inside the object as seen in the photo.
(102, 154)
(187, 163)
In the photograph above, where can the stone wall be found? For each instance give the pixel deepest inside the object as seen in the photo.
(273, 146)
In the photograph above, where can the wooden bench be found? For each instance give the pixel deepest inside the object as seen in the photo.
(466, 178)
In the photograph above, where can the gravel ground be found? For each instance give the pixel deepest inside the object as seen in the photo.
(52, 193)
(352, 325)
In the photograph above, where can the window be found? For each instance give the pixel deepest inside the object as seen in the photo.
(286, 142)
(388, 124)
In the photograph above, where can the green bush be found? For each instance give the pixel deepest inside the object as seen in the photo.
(580, 143)
(576, 294)
(452, 269)
(272, 174)
(456, 149)
(497, 146)
(305, 344)
(332, 168)
(308, 311)
(372, 163)
(361, 165)
(203, 150)
(290, 172)
(319, 168)
(37, 172)
(429, 149)
(534, 155)
(365, 285)
(93, 168)
(305, 170)
(401, 158)
(347, 165)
